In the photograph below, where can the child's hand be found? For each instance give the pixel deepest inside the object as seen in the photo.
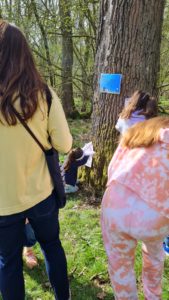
(88, 149)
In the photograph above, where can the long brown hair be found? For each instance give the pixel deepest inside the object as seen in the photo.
(144, 134)
(72, 156)
(138, 101)
(19, 77)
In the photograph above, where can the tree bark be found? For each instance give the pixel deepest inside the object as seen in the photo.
(128, 42)
(67, 57)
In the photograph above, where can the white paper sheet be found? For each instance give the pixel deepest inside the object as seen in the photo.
(88, 150)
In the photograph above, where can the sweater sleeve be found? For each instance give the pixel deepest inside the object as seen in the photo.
(82, 161)
(58, 129)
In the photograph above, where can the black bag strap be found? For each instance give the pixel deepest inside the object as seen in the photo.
(27, 128)
(49, 102)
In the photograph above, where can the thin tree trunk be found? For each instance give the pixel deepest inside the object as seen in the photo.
(45, 40)
(67, 57)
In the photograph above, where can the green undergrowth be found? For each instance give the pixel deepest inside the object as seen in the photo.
(163, 105)
(80, 130)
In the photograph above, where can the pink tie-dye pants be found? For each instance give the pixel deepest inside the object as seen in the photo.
(125, 219)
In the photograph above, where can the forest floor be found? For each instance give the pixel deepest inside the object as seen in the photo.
(82, 241)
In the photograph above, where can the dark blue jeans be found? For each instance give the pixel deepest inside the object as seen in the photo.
(44, 220)
(29, 239)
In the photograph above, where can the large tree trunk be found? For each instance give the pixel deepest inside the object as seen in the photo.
(129, 36)
(67, 57)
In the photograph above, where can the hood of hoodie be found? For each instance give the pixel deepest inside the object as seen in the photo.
(135, 117)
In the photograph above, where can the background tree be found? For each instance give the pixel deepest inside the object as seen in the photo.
(45, 41)
(128, 42)
(69, 71)
(67, 57)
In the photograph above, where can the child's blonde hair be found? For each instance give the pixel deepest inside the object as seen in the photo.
(144, 134)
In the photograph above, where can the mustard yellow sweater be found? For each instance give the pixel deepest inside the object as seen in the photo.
(24, 176)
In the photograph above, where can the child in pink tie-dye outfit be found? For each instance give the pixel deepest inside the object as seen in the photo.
(135, 207)
(138, 108)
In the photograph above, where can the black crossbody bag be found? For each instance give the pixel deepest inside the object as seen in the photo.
(52, 159)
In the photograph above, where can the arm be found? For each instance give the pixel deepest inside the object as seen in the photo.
(58, 129)
(82, 161)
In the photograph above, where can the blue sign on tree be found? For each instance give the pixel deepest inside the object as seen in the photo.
(110, 83)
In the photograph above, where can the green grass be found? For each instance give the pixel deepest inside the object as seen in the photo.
(80, 130)
(87, 263)
(81, 237)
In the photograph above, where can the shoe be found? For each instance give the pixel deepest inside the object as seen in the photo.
(30, 258)
(71, 189)
(166, 245)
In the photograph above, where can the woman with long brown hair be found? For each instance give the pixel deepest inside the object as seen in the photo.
(135, 207)
(26, 188)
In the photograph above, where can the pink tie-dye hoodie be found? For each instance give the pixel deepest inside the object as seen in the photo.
(145, 171)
